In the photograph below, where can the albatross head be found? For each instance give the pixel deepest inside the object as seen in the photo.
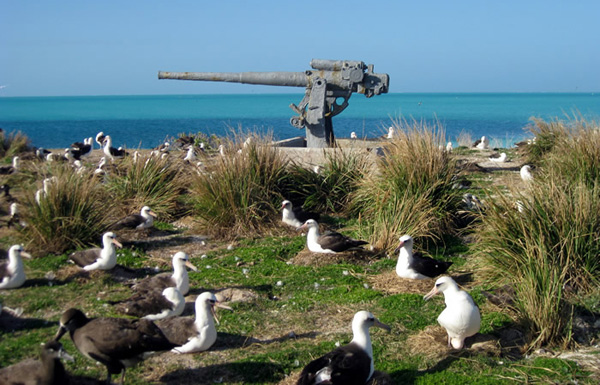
(109, 238)
(309, 224)
(207, 301)
(405, 241)
(181, 258)
(442, 284)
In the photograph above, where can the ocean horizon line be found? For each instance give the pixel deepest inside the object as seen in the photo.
(591, 93)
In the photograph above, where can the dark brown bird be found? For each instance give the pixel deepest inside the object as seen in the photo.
(117, 343)
(48, 370)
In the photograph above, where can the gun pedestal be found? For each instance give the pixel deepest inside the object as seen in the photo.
(328, 82)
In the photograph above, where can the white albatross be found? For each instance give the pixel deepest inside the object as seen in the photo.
(526, 174)
(415, 266)
(12, 274)
(461, 317)
(178, 279)
(329, 242)
(194, 335)
(500, 158)
(349, 364)
(104, 258)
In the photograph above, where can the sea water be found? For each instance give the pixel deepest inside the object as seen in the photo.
(147, 121)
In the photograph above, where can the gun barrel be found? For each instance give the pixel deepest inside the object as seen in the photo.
(289, 79)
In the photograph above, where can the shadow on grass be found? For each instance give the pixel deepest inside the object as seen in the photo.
(407, 376)
(8, 322)
(239, 372)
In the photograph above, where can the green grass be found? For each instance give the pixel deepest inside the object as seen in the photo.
(301, 312)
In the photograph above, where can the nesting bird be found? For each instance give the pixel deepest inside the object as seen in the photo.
(143, 220)
(104, 258)
(12, 168)
(178, 279)
(117, 343)
(329, 242)
(500, 158)
(414, 265)
(349, 364)
(12, 274)
(295, 216)
(194, 335)
(461, 317)
(154, 305)
(482, 144)
(48, 370)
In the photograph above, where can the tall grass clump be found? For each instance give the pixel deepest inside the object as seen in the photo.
(151, 181)
(543, 241)
(411, 190)
(546, 136)
(239, 193)
(71, 214)
(576, 157)
(13, 143)
(330, 188)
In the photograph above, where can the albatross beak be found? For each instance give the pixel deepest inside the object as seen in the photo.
(66, 356)
(189, 264)
(397, 249)
(433, 292)
(25, 254)
(382, 325)
(117, 243)
(61, 331)
(218, 304)
(152, 213)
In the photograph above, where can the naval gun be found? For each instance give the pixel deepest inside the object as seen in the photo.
(329, 85)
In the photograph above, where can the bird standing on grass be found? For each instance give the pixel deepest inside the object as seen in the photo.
(329, 242)
(461, 317)
(350, 364)
(117, 343)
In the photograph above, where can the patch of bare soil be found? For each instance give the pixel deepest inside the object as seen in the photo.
(308, 258)
(389, 283)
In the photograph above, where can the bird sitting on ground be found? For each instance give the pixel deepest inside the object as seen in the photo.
(153, 305)
(104, 258)
(143, 220)
(500, 158)
(117, 343)
(482, 144)
(48, 370)
(12, 274)
(350, 364)
(12, 168)
(329, 242)
(194, 335)
(414, 265)
(179, 278)
(295, 216)
(461, 317)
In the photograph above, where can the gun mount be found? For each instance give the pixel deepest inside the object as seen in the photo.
(328, 85)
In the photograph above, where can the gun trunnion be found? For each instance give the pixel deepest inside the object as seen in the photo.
(328, 85)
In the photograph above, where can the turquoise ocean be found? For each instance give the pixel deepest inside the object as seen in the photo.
(146, 121)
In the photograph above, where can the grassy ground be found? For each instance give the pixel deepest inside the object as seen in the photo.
(289, 308)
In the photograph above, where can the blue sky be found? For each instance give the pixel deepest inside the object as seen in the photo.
(68, 47)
